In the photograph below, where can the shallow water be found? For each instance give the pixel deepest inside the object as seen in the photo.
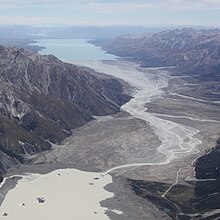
(73, 49)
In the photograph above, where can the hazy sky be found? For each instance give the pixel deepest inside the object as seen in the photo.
(111, 12)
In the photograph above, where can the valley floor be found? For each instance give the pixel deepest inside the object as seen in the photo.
(121, 139)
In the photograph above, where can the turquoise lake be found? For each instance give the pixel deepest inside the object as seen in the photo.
(73, 49)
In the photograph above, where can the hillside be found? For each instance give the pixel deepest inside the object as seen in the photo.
(186, 48)
(43, 99)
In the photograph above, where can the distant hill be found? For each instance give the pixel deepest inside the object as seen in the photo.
(86, 32)
(190, 49)
(21, 35)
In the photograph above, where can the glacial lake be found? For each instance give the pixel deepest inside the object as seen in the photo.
(73, 49)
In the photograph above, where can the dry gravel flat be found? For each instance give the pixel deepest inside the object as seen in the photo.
(105, 143)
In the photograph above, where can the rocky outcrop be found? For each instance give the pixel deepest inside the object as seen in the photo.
(208, 166)
(42, 99)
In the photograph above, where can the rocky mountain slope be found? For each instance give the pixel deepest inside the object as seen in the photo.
(194, 54)
(42, 99)
(186, 48)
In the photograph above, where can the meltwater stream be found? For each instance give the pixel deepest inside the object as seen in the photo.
(176, 140)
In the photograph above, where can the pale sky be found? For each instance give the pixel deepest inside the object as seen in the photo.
(111, 12)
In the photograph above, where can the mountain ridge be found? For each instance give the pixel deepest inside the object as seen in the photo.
(43, 99)
(180, 47)
(192, 53)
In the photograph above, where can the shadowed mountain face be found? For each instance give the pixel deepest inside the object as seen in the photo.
(42, 99)
(182, 47)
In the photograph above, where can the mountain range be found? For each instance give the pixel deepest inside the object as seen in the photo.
(192, 50)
